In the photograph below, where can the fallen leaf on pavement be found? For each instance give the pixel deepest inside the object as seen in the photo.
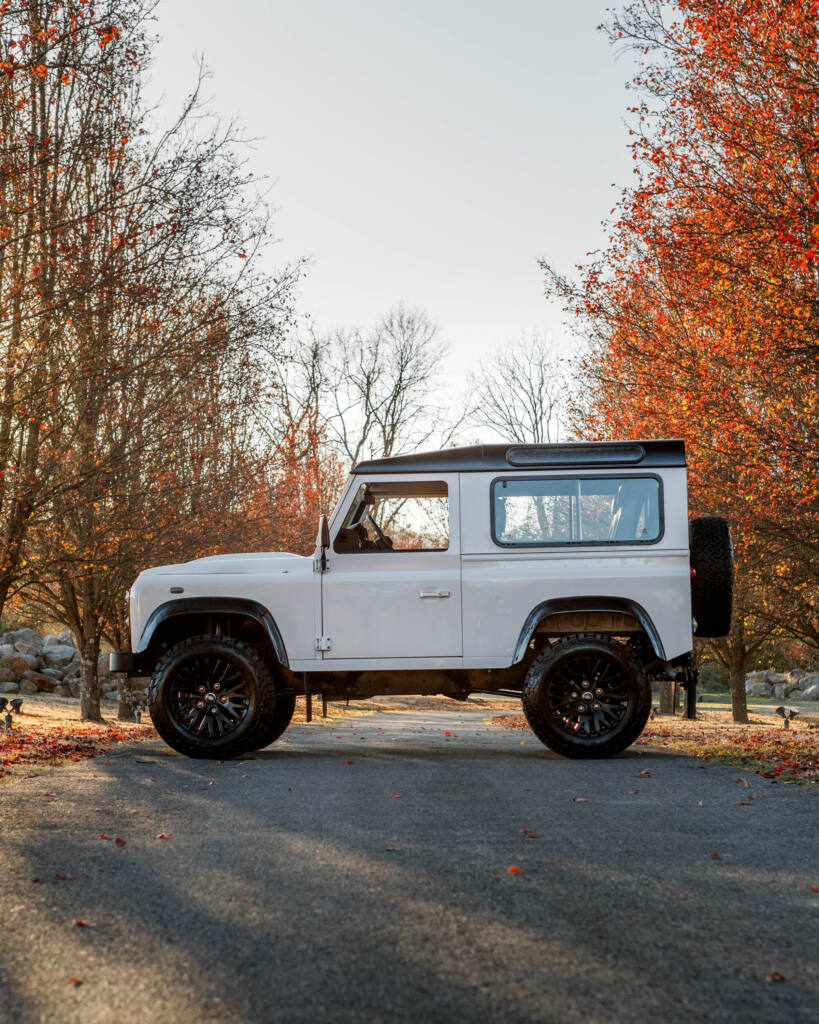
(76, 982)
(119, 842)
(579, 800)
(164, 835)
(36, 881)
(104, 836)
(631, 792)
(814, 888)
(395, 796)
(513, 870)
(715, 856)
(644, 774)
(529, 833)
(776, 976)
(84, 924)
(61, 875)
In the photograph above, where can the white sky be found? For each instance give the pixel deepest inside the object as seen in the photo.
(426, 150)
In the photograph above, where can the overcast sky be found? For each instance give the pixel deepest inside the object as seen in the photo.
(427, 151)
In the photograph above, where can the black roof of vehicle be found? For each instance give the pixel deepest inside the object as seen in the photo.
(505, 457)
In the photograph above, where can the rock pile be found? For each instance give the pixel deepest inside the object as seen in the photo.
(794, 685)
(30, 663)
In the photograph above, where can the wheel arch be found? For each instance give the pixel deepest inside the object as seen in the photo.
(601, 605)
(235, 616)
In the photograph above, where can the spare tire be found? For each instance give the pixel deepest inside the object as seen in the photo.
(712, 577)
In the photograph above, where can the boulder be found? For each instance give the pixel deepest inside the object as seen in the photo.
(811, 693)
(59, 655)
(792, 687)
(55, 673)
(50, 640)
(28, 636)
(20, 663)
(7, 676)
(62, 691)
(66, 637)
(8, 638)
(757, 688)
(111, 695)
(774, 678)
(26, 648)
(7, 651)
(8, 686)
(778, 691)
(795, 695)
(44, 683)
(28, 686)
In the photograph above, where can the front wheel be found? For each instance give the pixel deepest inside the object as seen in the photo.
(587, 696)
(212, 697)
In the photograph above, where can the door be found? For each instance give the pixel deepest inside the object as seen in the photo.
(393, 586)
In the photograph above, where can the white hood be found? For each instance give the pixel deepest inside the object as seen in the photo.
(250, 562)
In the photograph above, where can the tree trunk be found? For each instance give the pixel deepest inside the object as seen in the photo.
(125, 707)
(739, 703)
(666, 698)
(89, 681)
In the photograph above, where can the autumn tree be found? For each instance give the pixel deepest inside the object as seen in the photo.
(158, 329)
(701, 313)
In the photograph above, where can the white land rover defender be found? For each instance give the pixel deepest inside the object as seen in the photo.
(567, 575)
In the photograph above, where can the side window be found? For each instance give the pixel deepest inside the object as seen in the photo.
(581, 510)
(396, 516)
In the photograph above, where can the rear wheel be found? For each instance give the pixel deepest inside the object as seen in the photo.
(212, 697)
(587, 696)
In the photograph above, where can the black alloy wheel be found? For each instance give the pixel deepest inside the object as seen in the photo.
(587, 696)
(212, 696)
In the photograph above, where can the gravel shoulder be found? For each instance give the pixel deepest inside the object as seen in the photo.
(360, 872)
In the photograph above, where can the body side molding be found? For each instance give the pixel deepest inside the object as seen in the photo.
(586, 604)
(216, 606)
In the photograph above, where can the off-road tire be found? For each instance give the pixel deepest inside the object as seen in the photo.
(555, 665)
(277, 723)
(712, 584)
(260, 686)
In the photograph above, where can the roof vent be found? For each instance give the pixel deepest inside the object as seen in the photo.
(575, 454)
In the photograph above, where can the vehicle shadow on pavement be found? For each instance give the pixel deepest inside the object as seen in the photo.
(298, 889)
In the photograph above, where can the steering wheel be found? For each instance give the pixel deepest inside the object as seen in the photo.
(383, 543)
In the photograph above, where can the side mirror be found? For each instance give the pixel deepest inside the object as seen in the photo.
(323, 536)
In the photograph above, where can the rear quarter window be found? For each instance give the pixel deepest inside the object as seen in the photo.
(589, 510)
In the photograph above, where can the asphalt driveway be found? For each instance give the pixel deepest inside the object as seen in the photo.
(360, 872)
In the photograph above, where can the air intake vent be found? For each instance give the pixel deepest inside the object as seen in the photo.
(575, 455)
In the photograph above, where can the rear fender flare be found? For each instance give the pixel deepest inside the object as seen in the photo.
(586, 604)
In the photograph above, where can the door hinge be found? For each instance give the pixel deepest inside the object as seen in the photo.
(324, 643)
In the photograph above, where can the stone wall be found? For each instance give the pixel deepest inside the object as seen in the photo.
(30, 663)
(794, 685)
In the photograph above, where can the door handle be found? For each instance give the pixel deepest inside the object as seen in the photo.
(434, 593)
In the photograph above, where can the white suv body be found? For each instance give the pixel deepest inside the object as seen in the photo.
(458, 563)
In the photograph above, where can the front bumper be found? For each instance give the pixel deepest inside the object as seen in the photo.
(127, 662)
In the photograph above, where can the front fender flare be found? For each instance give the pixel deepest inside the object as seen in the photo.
(215, 606)
(587, 604)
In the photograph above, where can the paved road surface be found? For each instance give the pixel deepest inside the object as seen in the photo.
(296, 888)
